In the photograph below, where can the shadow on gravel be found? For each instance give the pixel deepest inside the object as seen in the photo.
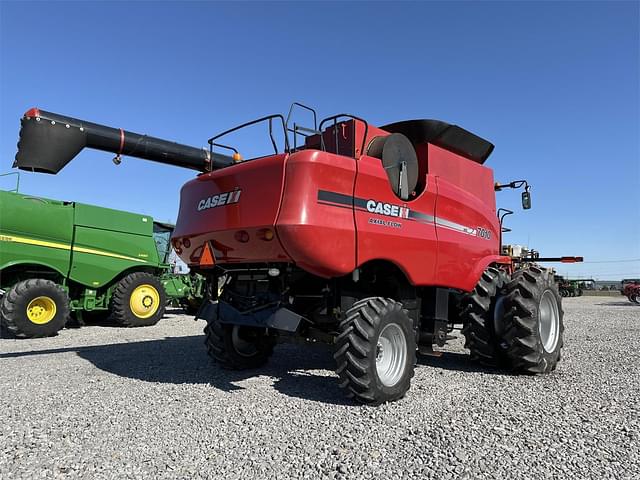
(618, 304)
(460, 362)
(184, 360)
(98, 320)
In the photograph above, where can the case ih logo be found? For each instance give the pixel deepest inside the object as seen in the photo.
(387, 209)
(220, 200)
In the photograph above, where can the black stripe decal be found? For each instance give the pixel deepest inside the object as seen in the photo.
(341, 200)
(334, 197)
(360, 203)
(421, 217)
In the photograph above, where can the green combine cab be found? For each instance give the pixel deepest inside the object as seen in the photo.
(59, 258)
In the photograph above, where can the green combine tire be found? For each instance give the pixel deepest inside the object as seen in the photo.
(139, 300)
(34, 308)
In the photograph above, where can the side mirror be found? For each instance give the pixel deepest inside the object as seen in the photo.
(526, 199)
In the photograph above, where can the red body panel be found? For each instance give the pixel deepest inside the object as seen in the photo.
(411, 242)
(467, 225)
(318, 233)
(260, 185)
(332, 213)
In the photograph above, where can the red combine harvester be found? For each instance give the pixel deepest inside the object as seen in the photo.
(631, 290)
(377, 241)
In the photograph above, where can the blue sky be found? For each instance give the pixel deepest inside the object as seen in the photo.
(553, 85)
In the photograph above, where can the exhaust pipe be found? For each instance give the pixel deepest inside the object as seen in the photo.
(49, 141)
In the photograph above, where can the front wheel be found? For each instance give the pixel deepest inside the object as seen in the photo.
(139, 300)
(533, 321)
(376, 351)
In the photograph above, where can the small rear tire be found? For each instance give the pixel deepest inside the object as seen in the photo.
(34, 308)
(237, 347)
(376, 351)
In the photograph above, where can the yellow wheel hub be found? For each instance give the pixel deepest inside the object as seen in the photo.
(144, 301)
(41, 310)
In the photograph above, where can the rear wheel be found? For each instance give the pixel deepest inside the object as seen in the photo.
(34, 308)
(533, 321)
(139, 300)
(376, 351)
(237, 347)
(482, 313)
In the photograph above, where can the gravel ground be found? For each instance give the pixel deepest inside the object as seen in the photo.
(104, 402)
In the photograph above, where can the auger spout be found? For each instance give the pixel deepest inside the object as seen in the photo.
(49, 141)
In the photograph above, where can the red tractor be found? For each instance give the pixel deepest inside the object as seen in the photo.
(376, 241)
(631, 290)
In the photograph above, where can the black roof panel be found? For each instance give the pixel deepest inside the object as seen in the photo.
(445, 135)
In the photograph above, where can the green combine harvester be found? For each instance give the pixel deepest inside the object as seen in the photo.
(569, 288)
(61, 258)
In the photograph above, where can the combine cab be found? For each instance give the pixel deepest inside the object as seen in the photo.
(376, 241)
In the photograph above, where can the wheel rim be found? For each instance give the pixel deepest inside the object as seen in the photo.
(391, 355)
(144, 301)
(242, 347)
(41, 310)
(549, 324)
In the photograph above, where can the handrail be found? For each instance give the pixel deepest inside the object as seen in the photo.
(335, 129)
(297, 129)
(17, 174)
(253, 122)
(315, 115)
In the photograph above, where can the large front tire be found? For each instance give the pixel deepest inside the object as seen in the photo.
(376, 351)
(139, 300)
(533, 321)
(34, 308)
(236, 347)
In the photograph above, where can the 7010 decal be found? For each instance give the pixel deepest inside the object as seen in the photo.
(483, 233)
